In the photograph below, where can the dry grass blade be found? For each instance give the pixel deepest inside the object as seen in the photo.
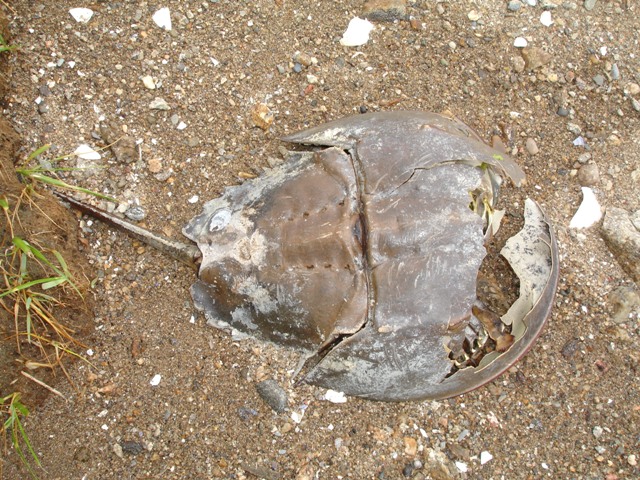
(42, 384)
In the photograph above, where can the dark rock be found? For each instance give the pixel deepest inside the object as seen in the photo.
(570, 348)
(135, 213)
(132, 448)
(273, 395)
(385, 10)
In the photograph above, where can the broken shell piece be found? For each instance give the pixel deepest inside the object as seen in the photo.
(261, 116)
(85, 152)
(81, 15)
(589, 211)
(335, 397)
(162, 18)
(357, 33)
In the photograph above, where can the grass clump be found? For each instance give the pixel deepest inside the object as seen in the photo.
(4, 46)
(36, 285)
(14, 411)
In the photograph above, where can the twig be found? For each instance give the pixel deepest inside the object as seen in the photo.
(42, 384)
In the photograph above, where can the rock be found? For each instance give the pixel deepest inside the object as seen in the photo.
(123, 146)
(132, 448)
(135, 213)
(589, 4)
(410, 446)
(261, 116)
(598, 80)
(615, 72)
(474, 15)
(589, 175)
(385, 10)
(518, 64)
(623, 239)
(570, 348)
(623, 301)
(531, 146)
(574, 128)
(535, 57)
(632, 89)
(148, 82)
(437, 465)
(273, 395)
(304, 59)
(514, 5)
(159, 103)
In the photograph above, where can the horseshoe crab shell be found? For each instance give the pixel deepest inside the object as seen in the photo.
(364, 252)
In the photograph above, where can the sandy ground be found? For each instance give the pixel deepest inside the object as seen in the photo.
(570, 409)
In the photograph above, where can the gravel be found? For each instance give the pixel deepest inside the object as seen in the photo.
(206, 419)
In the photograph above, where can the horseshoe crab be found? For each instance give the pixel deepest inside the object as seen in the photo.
(364, 252)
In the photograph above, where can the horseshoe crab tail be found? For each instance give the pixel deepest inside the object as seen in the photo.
(185, 252)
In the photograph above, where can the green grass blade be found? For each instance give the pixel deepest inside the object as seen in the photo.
(24, 286)
(36, 153)
(56, 182)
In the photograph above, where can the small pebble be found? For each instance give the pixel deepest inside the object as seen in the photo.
(589, 175)
(563, 112)
(599, 80)
(531, 146)
(514, 5)
(148, 82)
(273, 395)
(159, 104)
(597, 431)
(136, 213)
(632, 89)
(589, 4)
(574, 128)
(632, 460)
(474, 16)
(615, 72)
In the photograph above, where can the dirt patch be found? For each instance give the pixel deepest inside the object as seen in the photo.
(570, 100)
(44, 222)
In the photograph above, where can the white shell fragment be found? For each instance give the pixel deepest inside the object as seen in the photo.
(589, 211)
(155, 381)
(357, 33)
(85, 152)
(81, 15)
(485, 457)
(162, 18)
(545, 18)
(520, 42)
(335, 397)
